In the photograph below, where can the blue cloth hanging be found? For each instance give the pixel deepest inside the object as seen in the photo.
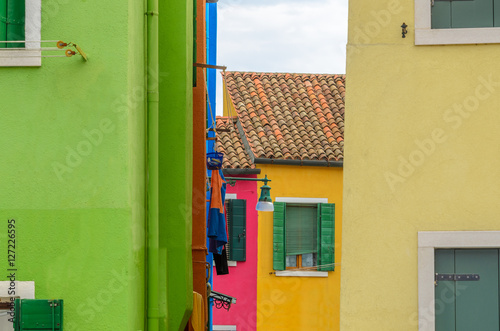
(216, 219)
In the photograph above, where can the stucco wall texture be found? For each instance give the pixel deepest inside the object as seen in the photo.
(72, 165)
(241, 282)
(421, 154)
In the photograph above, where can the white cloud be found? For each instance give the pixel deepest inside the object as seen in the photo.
(281, 36)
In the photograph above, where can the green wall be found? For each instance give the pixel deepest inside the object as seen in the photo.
(72, 170)
(176, 104)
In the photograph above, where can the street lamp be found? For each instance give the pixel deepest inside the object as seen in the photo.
(265, 202)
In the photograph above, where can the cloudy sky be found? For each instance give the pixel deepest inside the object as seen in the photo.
(295, 36)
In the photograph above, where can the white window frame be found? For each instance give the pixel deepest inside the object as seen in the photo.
(427, 243)
(299, 273)
(30, 56)
(424, 35)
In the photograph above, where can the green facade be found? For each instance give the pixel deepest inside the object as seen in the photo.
(73, 172)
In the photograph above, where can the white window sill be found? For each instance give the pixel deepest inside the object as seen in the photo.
(20, 58)
(224, 327)
(427, 36)
(424, 35)
(232, 263)
(291, 273)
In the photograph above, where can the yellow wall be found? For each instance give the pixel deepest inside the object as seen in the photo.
(297, 303)
(427, 104)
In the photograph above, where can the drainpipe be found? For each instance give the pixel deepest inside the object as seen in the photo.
(153, 311)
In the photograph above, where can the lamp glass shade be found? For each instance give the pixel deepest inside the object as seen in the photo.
(265, 203)
(264, 206)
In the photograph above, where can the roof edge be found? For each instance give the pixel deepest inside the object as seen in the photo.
(314, 163)
(241, 171)
(244, 139)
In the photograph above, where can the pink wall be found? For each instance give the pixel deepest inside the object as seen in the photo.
(241, 282)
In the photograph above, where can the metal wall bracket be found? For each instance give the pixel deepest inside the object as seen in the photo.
(456, 277)
(222, 300)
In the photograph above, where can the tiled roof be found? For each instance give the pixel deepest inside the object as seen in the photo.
(229, 143)
(290, 116)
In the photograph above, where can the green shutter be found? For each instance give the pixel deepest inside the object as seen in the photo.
(444, 263)
(326, 237)
(467, 305)
(441, 15)
(472, 14)
(496, 12)
(3, 22)
(15, 22)
(464, 14)
(236, 214)
(279, 236)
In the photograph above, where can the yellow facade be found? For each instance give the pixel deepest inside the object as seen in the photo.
(422, 154)
(298, 303)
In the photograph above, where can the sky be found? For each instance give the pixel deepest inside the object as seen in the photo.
(294, 36)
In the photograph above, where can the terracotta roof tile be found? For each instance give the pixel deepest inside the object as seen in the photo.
(230, 144)
(290, 116)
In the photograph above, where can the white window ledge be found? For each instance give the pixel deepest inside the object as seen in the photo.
(301, 200)
(456, 36)
(224, 327)
(291, 273)
(232, 263)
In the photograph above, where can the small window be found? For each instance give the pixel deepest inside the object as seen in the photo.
(301, 233)
(442, 22)
(12, 23)
(20, 20)
(303, 236)
(457, 14)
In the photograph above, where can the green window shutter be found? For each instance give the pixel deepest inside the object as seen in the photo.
(326, 236)
(279, 236)
(465, 14)
(472, 14)
(3, 22)
(15, 22)
(441, 15)
(236, 214)
(444, 263)
(469, 305)
(301, 230)
(496, 12)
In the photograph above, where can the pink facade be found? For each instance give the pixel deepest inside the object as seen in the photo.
(241, 282)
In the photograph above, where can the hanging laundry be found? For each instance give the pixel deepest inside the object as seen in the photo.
(216, 220)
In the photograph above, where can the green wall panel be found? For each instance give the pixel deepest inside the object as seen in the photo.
(72, 167)
(175, 174)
